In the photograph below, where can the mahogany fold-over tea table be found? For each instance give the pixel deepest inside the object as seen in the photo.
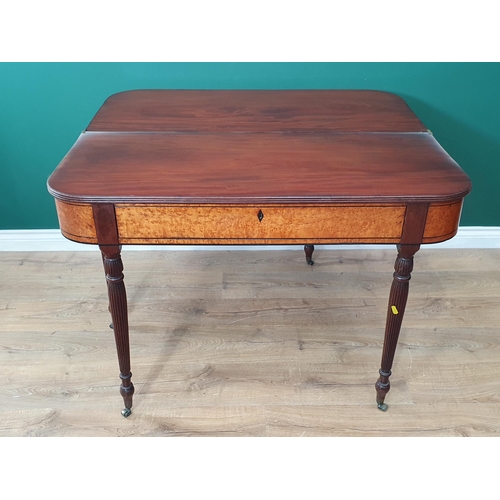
(197, 167)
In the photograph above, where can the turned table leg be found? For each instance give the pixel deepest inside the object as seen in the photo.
(395, 311)
(113, 269)
(309, 249)
(109, 307)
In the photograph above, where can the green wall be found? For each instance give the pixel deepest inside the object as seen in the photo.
(45, 106)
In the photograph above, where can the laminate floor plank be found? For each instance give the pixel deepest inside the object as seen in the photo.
(437, 419)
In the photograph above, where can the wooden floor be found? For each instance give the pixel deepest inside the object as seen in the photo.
(250, 343)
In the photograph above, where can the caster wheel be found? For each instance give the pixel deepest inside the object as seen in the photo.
(126, 412)
(382, 406)
(310, 262)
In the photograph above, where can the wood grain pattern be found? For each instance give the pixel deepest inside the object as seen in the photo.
(76, 222)
(160, 224)
(279, 223)
(257, 168)
(442, 222)
(250, 343)
(255, 111)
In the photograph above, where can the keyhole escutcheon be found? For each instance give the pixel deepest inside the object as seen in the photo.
(260, 215)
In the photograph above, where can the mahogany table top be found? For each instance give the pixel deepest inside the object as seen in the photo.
(233, 147)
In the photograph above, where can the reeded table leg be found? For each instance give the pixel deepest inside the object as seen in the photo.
(113, 268)
(109, 307)
(395, 311)
(309, 249)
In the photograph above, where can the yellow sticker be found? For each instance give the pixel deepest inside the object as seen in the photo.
(394, 310)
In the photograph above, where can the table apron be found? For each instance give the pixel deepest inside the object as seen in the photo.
(257, 224)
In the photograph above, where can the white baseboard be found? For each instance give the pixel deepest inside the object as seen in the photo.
(51, 240)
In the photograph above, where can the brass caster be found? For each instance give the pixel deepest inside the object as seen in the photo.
(126, 412)
(382, 406)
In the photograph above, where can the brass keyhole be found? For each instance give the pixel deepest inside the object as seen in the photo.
(260, 215)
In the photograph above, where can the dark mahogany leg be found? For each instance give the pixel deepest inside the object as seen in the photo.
(109, 307)
(309, 249)
(396, 308)
(113, 268)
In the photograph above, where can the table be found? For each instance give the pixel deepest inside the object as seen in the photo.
(197, 167)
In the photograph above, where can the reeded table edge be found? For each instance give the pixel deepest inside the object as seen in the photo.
(255, 200)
